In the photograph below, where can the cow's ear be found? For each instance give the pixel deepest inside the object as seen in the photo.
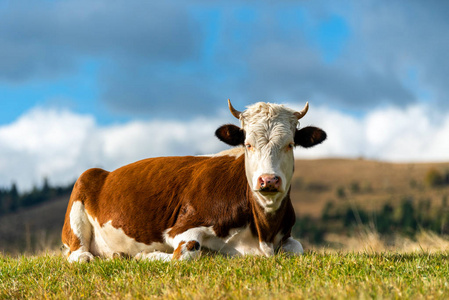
(230, 134)
(309, 136)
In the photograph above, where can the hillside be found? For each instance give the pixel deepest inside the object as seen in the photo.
(360, 184)
(33, 229)
(369, 184)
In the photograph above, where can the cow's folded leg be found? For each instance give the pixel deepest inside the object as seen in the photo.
(187, 244)
(156, 255)
(187, 250)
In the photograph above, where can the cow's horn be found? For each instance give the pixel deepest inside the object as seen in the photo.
(234, 112)
(303, 112)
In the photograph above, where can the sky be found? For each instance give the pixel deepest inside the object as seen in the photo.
(104, 83)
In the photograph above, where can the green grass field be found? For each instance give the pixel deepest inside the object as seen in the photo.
(314, 275)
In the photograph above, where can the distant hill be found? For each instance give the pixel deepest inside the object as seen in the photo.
(35, 228)
(366, 183)
(324, 191)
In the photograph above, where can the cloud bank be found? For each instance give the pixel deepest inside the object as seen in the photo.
(60, 144)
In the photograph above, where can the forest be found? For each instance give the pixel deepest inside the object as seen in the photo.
(11, 200)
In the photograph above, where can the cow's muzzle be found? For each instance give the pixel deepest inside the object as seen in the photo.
(268, 183)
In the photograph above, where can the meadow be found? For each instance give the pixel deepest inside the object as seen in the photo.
(334, 275)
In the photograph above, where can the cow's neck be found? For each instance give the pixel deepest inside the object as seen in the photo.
(268, 224)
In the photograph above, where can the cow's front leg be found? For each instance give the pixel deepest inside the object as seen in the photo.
(292, 247)
(183, 251)
(154, 255)
(187, 245)
(187, 250)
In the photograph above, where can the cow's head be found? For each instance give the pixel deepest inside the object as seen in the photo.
(269, 134)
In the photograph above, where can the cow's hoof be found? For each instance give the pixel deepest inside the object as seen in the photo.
(82, 257)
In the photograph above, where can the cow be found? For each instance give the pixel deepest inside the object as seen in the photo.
(236, 202)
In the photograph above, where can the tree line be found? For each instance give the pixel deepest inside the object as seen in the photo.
(407, 218)
(11, 200)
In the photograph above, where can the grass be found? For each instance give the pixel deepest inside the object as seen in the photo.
(313, 275)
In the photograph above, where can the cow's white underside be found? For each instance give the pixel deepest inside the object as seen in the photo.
(108, 241)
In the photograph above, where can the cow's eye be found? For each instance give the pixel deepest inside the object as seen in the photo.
(248, 146)
(291, 146)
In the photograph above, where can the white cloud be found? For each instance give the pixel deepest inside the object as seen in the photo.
(415, 133)
(412, 134)
(42, 143)
(60, 145)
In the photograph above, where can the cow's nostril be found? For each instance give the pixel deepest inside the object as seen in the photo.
(268, 182)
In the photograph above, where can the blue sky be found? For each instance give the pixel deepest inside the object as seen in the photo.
(118, 67)
(138, 55)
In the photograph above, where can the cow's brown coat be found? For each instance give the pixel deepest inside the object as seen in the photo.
(148, 197)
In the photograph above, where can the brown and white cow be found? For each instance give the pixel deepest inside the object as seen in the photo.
(236, 202)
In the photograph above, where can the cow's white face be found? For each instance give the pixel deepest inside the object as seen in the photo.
(269, 134)
(269, 143)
